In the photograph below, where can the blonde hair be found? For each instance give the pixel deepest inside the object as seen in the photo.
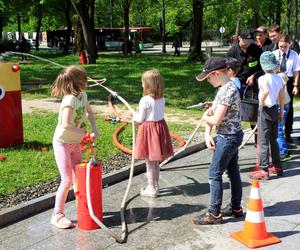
(153, 84)
(71, 80)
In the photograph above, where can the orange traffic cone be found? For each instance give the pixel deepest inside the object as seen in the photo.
(254, 233)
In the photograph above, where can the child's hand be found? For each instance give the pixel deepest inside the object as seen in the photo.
(94, 134)
(210, 143)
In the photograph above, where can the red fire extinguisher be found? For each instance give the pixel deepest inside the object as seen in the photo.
(84, 219)
(82, 57)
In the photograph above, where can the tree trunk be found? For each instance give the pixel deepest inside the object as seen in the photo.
(38, 30)
(19, 25)
(85, 10)
(67, 10)
(126, 7)
(288, 17)
(238, 23)
(196, 39)
(1, 27)
(78, 38)
(277, 16)
(295, 36)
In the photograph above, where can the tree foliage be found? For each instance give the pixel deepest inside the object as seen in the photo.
(29, 15)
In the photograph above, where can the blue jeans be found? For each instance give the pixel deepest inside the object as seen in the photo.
(281, 139)
(224, 158)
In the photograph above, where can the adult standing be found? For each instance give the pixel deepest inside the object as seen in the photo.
(247, 53)
(290, 65)
(262, 40)
(274, 34)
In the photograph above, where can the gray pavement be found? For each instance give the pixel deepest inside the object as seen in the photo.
(165, 222)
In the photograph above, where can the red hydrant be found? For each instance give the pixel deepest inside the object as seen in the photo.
(82, 57)
(84, 219)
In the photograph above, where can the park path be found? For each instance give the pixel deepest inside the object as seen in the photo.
(100, 107)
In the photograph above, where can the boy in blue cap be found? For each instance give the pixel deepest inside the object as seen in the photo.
(271, 89)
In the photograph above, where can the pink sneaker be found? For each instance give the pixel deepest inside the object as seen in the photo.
(275, 170)
(59, 220)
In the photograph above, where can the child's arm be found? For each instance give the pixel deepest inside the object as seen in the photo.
(296, 83)
(92, 120)
(216, 118)
(141, 115)
(209, 141)
(67, 114)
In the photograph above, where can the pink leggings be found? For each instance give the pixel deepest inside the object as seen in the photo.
(66, 156)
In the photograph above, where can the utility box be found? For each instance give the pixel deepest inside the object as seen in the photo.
(11, 124)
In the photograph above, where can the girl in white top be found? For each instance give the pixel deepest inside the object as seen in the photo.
(70, 129)
(153, 141)
(290, 65)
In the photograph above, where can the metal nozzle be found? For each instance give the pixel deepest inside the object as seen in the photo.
(199, 105)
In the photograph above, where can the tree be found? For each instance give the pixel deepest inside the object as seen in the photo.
(196, 39)
(125, 7)
(85, 10)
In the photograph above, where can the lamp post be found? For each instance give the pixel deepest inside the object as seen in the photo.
(163, 28)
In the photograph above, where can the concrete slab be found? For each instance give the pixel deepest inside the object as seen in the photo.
(165, 222)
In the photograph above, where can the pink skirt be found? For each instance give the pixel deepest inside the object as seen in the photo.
(153, 141)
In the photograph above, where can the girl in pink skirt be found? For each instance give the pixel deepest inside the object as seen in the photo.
(153, 141)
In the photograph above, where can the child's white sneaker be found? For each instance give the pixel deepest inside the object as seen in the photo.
(59, 220)
(148, 192)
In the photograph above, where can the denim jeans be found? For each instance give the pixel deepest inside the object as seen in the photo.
(224, 158)
(281, 139)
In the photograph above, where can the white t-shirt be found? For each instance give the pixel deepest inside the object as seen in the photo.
(274, 84)
(78, 119)
(150, 109)
(292, 61)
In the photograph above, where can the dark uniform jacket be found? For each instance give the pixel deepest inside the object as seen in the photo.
(249, 65)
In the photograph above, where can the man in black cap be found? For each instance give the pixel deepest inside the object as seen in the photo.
(247, 53)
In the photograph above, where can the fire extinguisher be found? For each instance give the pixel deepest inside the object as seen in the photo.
(82, 57)
(89, 198)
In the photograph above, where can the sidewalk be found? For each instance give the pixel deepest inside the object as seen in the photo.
(165, 223)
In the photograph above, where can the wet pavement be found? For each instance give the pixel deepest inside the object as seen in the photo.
(165, 222)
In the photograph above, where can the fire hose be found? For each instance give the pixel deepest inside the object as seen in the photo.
(124, 234)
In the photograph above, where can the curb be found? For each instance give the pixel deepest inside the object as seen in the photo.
(30, 208)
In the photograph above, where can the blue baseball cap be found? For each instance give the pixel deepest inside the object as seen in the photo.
(268, 61)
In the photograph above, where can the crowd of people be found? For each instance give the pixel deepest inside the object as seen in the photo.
(260, 65)
(269, 73)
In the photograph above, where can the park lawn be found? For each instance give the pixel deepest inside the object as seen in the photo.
(25, 167)
(123, 74)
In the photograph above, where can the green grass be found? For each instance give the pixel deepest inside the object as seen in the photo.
(26, 167)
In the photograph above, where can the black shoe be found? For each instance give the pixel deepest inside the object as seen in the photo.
(207, 219)
(228, 211)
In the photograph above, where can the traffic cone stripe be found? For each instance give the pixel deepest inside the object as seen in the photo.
(255, 217)
(255, 194)
(255, 205)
